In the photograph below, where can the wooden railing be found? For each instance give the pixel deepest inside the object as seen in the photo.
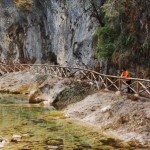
(138, 86)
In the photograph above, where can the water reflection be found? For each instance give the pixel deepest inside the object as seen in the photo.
(45, 128)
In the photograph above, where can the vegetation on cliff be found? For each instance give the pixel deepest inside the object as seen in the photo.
(125, 35)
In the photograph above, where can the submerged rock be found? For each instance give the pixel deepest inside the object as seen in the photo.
(16, 138)
(3, 142)
(56, 144)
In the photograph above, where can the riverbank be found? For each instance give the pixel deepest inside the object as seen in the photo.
(26, 127)
(129, 120)
(111, 112)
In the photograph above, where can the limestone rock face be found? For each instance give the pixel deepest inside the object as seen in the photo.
(38, 31)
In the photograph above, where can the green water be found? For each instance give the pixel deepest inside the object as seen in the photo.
(45, 128)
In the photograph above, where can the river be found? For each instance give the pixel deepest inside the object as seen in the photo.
(45, 128)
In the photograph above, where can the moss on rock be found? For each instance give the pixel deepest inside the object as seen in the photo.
(76, 91)
(24, 4)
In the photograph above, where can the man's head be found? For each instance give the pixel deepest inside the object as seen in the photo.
(123, 69)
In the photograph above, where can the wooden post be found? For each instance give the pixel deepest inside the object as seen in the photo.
(137, 88)
(106, 88)
(119, 84)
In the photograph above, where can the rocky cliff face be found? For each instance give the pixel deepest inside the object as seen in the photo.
(55, 31)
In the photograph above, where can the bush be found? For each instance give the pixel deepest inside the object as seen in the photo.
(105, 42)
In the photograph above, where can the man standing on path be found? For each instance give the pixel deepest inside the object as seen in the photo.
(125, 74)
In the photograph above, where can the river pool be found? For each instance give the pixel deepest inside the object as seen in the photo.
(44, 128)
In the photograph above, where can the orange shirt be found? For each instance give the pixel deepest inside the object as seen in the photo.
(125, 74)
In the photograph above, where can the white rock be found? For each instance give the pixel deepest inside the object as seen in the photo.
(106, 90)
(16, 136)
(52, 147)
(91, 83)
(103, 110)
(1, 145)
(136, 95)
(118, 93)
(78, 80)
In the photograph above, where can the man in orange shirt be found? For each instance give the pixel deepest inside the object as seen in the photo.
(125, 74)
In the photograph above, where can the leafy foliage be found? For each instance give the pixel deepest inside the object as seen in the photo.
(105, 46)
(125, 31)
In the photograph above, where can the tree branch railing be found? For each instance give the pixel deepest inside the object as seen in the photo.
(116, 83)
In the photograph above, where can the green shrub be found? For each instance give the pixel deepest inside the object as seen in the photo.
(105, 42)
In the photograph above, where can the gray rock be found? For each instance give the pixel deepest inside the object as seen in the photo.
(52, 31)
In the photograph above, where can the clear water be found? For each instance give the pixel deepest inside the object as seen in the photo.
(45, 129)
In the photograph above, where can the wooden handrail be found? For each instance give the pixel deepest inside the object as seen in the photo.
(107, 81)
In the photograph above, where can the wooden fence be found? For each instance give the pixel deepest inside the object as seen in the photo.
(116, 83)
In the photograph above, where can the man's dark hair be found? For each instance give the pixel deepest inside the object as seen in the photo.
(123, 68)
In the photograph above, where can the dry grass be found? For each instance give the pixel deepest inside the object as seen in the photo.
(24, 4)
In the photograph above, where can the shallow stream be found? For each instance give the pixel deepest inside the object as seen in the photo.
(43, 128)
